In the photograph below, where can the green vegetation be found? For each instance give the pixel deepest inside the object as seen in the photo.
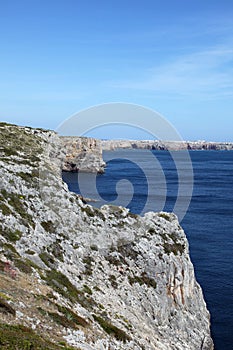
(132, 215)
(16, 201)
(126, 249)
(22, 338)
(11, 248)
(87, 289)
(4, 296)
(93, 212)
(143, 279)
(30, 252)
(165, 216)
(57, 250)
(151, 231)
(6, 308)
(88, 265)
(29, 177)
(112, 330)
(117, 261)
(2, 264)
(48, 226)
(17, 141)
(47, 259)
(66, 317)
(5, 209)
(113, 281)
(24, 265)
(94, 247)
(11, 236)
(69, 314)
(62, 285)
(173, 248)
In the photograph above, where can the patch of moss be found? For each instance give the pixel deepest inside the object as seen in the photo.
(23, 265)
(30, 252)
(112, 330)
(19, 337)
(65, 321)
(2, 264)
(57, 250)
(72, 317)
(16, 201)
(132, 215)
(117, 261)
(2, 124)
(11, 236)
(62, 285)
(88, 265)
(5, 209)
(173, 248)
(47, 259)
(143, 279)
(6, 308)
(113, 281)
(151, 231)
(48, 226)
(126, 249)
(87, 289)
(8, 151)
(93, 212)
(94, 247)
(88, 210)
(21, 142)
(164, 216)
(8, 246)
(4, 296)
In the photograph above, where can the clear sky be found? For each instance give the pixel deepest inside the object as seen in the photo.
(174, 56)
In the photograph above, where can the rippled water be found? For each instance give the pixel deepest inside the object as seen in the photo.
(208, 223)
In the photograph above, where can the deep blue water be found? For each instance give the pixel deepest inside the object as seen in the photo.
(208, 223)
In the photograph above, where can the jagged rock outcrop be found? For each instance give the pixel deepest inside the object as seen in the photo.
(82, 154)
(110, 145)
(92, 278)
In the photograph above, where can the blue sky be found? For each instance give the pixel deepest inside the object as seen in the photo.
(176, 57)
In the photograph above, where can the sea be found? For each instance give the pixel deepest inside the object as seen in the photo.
(208, 222)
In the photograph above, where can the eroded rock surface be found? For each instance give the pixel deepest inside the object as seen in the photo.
(82, 154)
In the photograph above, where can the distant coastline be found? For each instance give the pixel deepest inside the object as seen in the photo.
(110, 145)
(86, 154)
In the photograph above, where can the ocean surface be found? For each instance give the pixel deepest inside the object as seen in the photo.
(208, 222)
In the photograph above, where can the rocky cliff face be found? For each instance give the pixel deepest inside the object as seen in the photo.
(111, 145)
(87, 278)
(82, 154)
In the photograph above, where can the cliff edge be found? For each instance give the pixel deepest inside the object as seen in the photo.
(77, 277)
(82, 154)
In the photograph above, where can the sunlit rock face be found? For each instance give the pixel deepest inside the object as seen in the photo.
(82, 154)
(89, 278)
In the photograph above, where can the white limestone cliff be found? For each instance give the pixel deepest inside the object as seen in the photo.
(127, 281)
(82, 154)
